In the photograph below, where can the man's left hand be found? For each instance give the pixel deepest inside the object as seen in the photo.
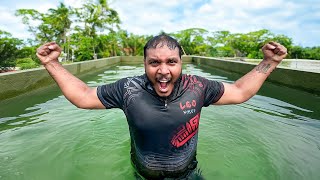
(274, 51)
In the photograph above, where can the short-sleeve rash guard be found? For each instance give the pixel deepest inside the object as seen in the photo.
(163, 131)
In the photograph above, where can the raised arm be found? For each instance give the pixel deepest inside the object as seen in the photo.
(248, 85)
(75, 90)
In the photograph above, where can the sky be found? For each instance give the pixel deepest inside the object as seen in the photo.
(297, 19)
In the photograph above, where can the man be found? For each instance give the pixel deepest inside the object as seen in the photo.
(162, 106)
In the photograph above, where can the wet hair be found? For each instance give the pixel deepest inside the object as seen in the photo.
(160, 41)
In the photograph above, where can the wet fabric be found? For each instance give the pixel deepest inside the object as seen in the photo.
(163, 131)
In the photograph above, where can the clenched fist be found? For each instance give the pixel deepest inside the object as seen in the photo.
(274, 51)
(48, 52)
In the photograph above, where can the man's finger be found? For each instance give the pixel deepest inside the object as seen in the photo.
(43, 49)
(274, 43)
(49, 43)
(48, 51)
(269, 47)
(42, 52)
(39, 55)
(276, 51)
(54, 47)
(281, 52)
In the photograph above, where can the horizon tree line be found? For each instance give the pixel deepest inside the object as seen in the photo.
(93, 31)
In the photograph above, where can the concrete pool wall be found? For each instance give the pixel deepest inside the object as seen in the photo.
(16, 83)
(299, 79)
(13, 84)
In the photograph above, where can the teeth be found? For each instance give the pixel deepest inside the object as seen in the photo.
(163, 81)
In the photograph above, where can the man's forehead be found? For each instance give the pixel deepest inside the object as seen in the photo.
(162, 50)
(163, 44)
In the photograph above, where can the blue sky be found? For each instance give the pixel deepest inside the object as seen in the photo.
(299, 20)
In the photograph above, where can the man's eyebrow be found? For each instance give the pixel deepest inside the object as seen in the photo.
(173, 58)
(152, 59)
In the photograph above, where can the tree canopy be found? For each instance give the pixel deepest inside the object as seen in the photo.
(9, 50)
(93, 31)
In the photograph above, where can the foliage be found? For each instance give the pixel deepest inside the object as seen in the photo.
(192, 41)
(47, 27)
(29, 52)
(83, 47)
(311, 53)
(95, 17)
(93, 31)
(247, 45)
(9, 50)
(132, 45)
(26, 63)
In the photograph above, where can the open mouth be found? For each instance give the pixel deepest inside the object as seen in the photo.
(163, 85)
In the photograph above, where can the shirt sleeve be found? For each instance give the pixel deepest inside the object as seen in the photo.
(213, 91)
(111, 95)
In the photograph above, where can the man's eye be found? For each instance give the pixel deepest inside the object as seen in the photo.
(172, 61)
(153, 62)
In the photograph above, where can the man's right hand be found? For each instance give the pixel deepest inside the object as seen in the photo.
(48, 52)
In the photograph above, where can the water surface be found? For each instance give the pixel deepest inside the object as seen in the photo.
(274, 135)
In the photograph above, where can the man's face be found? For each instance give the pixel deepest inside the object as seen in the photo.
(163, 67)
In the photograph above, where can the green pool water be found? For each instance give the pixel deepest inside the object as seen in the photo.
(274, 135)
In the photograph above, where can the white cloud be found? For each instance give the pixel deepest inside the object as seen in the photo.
(145, 17)
(42, 7)
(245, 16)
(206, 8)
(12, 24)
(74, 3)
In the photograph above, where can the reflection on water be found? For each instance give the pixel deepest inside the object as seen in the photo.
(276, 108)
(274, 135)
(24, 120)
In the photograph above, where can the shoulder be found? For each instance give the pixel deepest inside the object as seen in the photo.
(124, 83)
(192, 79)
(134, 81)
(192, 82)
(129, 80)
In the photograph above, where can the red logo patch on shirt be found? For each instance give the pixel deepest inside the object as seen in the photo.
(186, 132)
(188, 105)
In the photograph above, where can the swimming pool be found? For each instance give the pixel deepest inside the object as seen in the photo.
(274, 135)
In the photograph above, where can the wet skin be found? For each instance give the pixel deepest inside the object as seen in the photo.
(163, 67)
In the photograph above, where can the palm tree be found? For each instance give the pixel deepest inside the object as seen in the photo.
(60, 21)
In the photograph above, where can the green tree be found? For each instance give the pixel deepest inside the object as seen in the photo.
(311, 53)
(82, 47)
(296, 52)
(9, 50)
(108, 45)
(60, 21)
(51, 26)
(132, 45)
(95, 16)
(248, 45)
(192, 41)
(217, 44)
(224, 43)
(26, 63)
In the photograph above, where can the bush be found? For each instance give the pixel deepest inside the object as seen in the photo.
(26, 63)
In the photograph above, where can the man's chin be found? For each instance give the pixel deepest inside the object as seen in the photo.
(162, 94)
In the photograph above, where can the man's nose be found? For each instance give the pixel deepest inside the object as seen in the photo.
(163, 69)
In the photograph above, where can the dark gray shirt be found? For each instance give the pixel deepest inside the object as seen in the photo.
(163, 131)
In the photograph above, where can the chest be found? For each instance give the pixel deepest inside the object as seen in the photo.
(150, 113)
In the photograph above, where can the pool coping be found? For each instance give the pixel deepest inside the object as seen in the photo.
(19, 82)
